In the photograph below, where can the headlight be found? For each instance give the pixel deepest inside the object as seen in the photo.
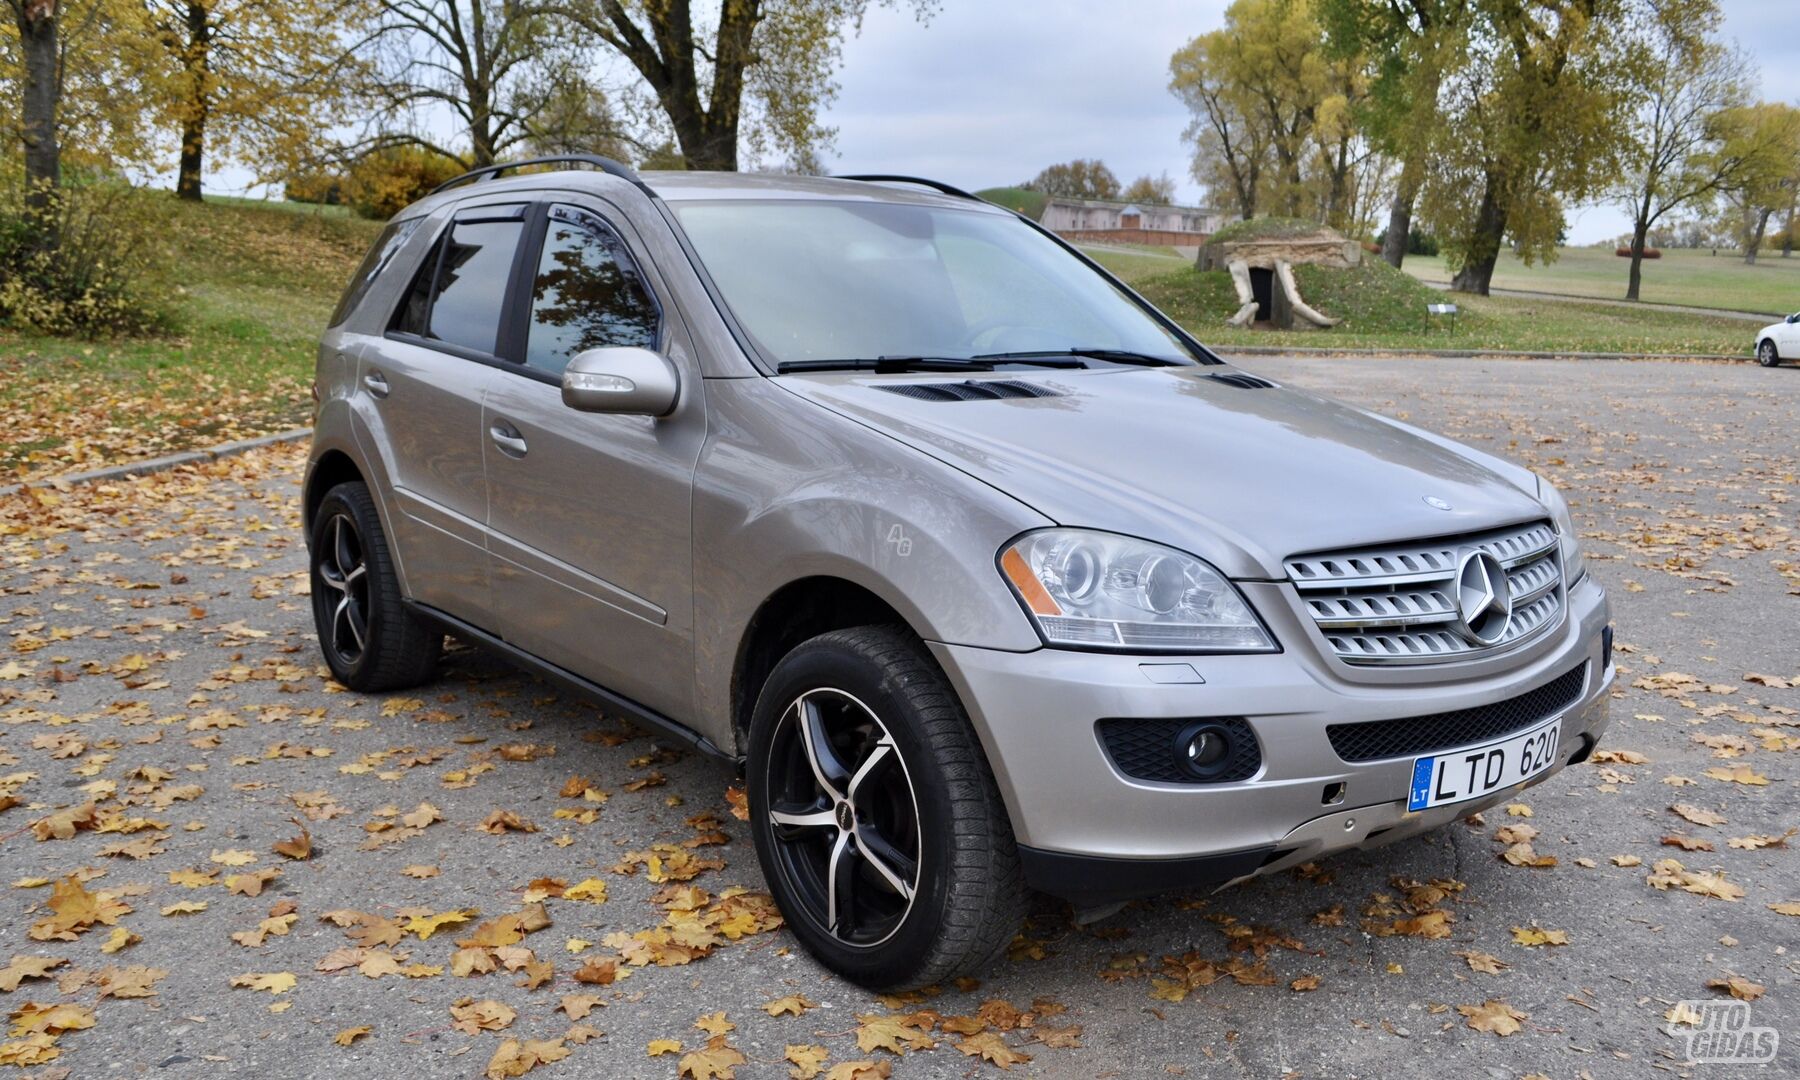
(1574, 566)
(1098, 590)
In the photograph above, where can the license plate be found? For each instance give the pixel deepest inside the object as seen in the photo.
(1460, 775)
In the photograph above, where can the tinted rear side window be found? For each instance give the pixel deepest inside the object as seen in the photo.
(386, 246)
(587, 293)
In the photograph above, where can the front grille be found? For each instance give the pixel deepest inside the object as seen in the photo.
(1145, 750)
(1417, 735)
(1396, 604)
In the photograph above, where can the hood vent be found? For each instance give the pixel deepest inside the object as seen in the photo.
(1243, 380)
(970, 390)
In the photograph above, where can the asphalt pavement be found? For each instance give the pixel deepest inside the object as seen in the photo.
(159, 663)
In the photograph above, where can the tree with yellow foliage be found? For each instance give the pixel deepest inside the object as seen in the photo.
(257, 80)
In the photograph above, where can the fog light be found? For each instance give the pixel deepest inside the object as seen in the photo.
(1203, 749)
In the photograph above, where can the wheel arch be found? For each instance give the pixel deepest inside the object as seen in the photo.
(795, 612)
(328, 470)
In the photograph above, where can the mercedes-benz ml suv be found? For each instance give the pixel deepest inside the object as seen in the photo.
(986, 574)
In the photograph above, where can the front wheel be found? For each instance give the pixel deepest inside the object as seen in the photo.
(1766, 354)
(875, 815)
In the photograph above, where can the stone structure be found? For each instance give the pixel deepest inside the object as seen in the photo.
(1261, 267)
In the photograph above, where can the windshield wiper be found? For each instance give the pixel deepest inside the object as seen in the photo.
(885, 364)
(1115, 356)
(889, 364)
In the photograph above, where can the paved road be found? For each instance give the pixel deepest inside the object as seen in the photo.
(158, 659)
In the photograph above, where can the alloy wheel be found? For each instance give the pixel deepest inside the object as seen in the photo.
(342, 567)
(844, 817)
(1766, 354)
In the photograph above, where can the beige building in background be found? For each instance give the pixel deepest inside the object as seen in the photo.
(1103, 215)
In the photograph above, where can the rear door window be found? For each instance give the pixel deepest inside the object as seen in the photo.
(460, 293)
(587, 292)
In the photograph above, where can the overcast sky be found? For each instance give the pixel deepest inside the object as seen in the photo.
(991, 91)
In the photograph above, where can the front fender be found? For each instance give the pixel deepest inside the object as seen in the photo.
(787, 490)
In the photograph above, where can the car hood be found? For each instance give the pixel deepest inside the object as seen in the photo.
(1242, 477)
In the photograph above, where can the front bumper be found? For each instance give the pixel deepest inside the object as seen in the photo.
(1091, 834)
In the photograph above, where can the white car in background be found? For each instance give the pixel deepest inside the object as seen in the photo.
(1778, 341)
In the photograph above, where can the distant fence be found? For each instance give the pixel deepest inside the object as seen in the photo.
(1152, 237)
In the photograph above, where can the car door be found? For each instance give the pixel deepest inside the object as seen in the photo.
(427, 378)
(588, 514)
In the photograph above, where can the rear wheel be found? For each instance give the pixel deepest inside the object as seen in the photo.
(875, 816)
(1766, 354)
(370, 640)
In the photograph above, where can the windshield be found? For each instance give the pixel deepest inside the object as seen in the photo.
(819, 280)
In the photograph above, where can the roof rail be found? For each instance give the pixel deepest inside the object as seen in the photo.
(935, 185)
(604, 164)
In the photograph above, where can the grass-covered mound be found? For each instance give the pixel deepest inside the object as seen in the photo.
(1024, 201)
(1371, 297)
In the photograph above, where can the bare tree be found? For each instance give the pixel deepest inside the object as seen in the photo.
(1691, 138)
(481, 60)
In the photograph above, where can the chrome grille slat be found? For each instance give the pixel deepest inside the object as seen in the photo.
(1393, 603)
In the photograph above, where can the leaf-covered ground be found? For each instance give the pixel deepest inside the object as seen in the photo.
(250, 285)
(215, 862)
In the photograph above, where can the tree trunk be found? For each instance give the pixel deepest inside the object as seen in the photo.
(1400, 211)
(1753, 242)
(42, 94)
(1399, 226)
(706, 147)
(193, 147)
(197, 59)
(1639, 230)
(1483, 250)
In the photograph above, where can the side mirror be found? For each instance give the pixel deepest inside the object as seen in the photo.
(626, 379)
(1794, 317)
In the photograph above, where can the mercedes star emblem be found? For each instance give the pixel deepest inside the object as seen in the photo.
(1483, 598)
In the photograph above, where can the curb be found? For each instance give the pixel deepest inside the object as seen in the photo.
(1468, 354)
(162, 464)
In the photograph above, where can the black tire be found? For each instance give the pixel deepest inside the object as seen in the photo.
(1766, 354)
(388, 647)
(968, 897)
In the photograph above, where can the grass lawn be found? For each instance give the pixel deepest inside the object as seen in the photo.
(1385, 309)
(1133, 262)
(251, 285)
(1695, 278)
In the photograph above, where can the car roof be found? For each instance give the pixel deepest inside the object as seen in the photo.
(676, 187)
(688, 186)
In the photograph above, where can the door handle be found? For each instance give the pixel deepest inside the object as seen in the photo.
(508, 439)
(377, 384)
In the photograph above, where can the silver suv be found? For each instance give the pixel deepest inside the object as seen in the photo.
(986, 574)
